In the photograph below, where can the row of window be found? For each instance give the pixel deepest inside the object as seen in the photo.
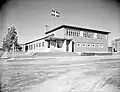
(83, 34)
(93, 45)
(88, 34)
(33, 46)
(99, 36)
(72, 33)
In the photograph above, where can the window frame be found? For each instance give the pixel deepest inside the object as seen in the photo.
(43, 44)
(83, 44)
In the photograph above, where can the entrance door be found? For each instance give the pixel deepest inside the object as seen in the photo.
(67, 45)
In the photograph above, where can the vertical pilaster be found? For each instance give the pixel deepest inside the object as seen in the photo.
(64, 46)
(70, 46)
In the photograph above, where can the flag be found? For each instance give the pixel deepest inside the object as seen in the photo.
(55, 13)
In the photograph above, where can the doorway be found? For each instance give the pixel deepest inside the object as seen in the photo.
(67, 45)
(73, 46)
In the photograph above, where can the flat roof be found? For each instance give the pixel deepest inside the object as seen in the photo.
(78, 28)
(66, 26)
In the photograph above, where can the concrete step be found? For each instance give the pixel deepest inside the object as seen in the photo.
(58, 54)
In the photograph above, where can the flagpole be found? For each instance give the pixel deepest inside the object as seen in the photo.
(52, 22)
(54, 15)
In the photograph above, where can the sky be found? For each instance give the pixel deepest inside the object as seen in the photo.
(30, 16)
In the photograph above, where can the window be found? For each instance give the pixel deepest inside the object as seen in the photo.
(84, 34)
(88, 34)
(42, 44)
(39, 44)
(88, 45)
(78, 33)
(99, 36)
(84, 44)
(79, 44)
(71, 33)
(36, 44)
(67, 32)
(31, 47)
(98, 45)
(75, 33)
(93, 45)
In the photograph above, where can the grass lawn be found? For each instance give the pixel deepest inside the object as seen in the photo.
(71, 74)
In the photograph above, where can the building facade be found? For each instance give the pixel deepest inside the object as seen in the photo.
(70, 39)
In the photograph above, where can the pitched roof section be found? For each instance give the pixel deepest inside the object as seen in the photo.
(39, 39)
(78, 28)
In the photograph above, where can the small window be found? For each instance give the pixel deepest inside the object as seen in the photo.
(79, 44)
(77, 33)
(93, 45)
(98, 45)
(36, 44)
(99, 36)
(39, 44)
(88, 45)
(31, 47)
(67, 32)
(73, 33)
(84, 34)
(84, 44)
(42, 44)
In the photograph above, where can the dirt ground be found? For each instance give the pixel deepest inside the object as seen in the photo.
(68, 74)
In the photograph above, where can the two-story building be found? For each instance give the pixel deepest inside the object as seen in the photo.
(70, 39)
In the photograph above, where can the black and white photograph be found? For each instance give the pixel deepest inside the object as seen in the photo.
(60, 46)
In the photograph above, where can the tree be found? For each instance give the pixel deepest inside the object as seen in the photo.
(11, 39)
